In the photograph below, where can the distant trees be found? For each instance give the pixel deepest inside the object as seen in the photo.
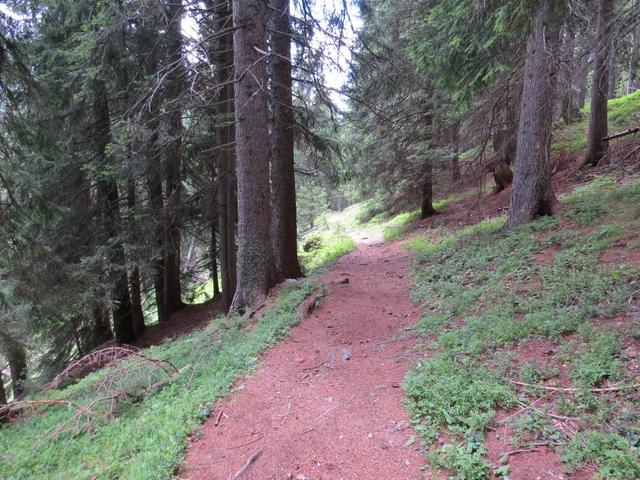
(132, 168)
(500, 94)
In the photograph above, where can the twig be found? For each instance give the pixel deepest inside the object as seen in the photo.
(314, 367)
(240, 473)
(217, 422)
(524, 407)
(522, 450)
(246, 444)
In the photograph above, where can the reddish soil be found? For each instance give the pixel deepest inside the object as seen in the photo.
(326, 403)
(192, 317)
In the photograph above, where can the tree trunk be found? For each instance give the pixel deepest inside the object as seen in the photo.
(17, 358)
(222, 57)
(136, 295)
(214, 257)
(3, 392)
(598, 124)
(284, 234)
(426, 206)
(632, 83)
(566, 77)
(149, 119)
(110, 201)
(532, 194)
(454, 165)
(101, 331)
(582, 78)
(256, 267)
(173, 159)
(614, 70)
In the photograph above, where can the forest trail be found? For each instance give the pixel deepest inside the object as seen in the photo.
(326, 403)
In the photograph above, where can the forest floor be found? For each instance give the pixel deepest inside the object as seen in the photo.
(326, 402)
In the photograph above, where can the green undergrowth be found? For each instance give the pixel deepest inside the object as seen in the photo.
(322, 249)
(487, 293)
(573, 138)
(147, 436)
(397, 226)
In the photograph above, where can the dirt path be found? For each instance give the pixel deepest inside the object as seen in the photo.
(326, 403)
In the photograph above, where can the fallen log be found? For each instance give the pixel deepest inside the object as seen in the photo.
(621, 134)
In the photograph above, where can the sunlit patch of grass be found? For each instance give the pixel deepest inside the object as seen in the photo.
(329, 247)
(397, 226)
(573, 138)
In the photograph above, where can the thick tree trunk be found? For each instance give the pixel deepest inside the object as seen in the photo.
(256, 267)
(532, 194)
(222, 56)
(173, 159)
(632, 83)
(110, 201)
(426, 205)
(598, 124)
(284, 234)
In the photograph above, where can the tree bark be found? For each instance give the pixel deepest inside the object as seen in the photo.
(110, 201)
(222, 57)
(454, 165)
(598, 124)
(426, 205)
(256, 267)
(101, 331)
(214, 257)
(136, 295)
(3, 392)
(284, 231)
(17, 358)
(532, 194)
(632, 83)
(173, 159)
(566, 76)
(614, 70)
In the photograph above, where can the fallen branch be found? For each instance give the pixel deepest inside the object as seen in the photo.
(621, 134)
(593, 390)
(309, 305)
(217, 422)
(505, 456)
(246, 444)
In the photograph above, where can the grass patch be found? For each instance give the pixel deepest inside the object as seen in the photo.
(323, 249)
(147, 439)
(397, 226)
(487, 292)
(573, 138)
